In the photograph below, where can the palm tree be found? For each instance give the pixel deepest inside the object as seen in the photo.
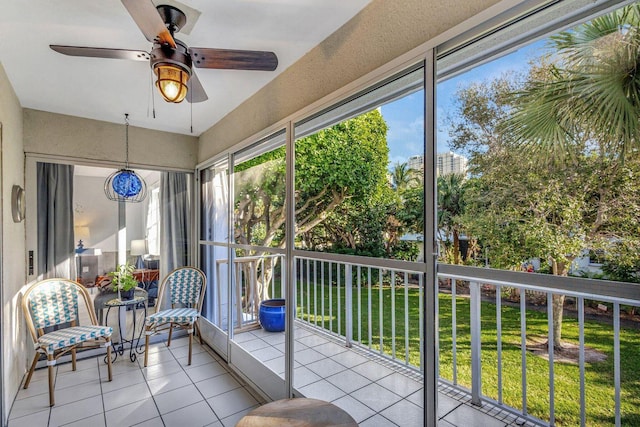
(450, 208)
(584, 98)
(403, 176)
(590, 92)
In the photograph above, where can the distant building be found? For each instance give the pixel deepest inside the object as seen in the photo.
(416, 162)
(445, 162)
(451, 163)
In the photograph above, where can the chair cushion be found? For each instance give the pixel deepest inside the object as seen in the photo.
(63, 338)
(175, 315)
(53, 303)
(186, 285)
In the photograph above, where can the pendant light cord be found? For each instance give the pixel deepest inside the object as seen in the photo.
(126, 138)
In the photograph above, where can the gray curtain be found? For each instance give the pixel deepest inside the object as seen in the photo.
(55, 221)
(215, 228)
(175, 224)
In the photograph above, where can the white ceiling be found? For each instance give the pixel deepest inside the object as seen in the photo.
(106, 89)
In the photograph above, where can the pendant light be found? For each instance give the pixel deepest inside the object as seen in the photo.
(125, 185)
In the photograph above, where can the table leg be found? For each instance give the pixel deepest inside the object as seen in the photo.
(136, 347)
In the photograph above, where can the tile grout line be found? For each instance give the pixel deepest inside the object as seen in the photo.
(194, 384)
(240, 381)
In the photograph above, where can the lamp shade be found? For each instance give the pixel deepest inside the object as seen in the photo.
(138, 247)
(125, 186)
(81, 232)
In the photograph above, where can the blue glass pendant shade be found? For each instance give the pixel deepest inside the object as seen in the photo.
(126, 183)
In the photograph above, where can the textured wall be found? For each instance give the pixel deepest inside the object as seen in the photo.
(14, 334)
(60, 135)
(381, 32)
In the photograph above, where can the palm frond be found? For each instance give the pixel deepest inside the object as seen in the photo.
(593, 89)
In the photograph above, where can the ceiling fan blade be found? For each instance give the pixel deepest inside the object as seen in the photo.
(100, 52)
(203, 57)
(148, 19)
(196, 92)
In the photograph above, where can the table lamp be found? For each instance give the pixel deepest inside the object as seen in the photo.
(139, 248)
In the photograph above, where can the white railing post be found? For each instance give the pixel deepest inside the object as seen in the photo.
(348, 306)
(476, 379)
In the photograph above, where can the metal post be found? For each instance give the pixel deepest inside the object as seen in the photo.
(369, 323)
(499, 339)
(476, 345)
(315, 292)
(523, 347)
(616, 360)
(393, 314)
(454, 329)
(406, 318)
(552, 418)
(348, 308)
(430, 320)
(339, 300)
(359, 273)
(290, 262)
(583, 407)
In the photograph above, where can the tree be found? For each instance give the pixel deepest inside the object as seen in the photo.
(592, 89)
(522, 207)
(450, 208)
(342, 164)
(404, 177)
(584, 110)
(411, 211)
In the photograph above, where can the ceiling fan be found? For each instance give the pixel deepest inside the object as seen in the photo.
(172, 60)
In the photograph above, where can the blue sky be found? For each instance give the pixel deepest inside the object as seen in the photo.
(405, 117)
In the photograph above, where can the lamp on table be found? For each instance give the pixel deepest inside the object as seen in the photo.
(139, 249)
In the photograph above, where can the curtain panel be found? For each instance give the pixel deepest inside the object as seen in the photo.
(55, 221)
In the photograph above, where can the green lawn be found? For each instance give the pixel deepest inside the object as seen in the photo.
(599, 376)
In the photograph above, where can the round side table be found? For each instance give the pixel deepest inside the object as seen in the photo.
(123, 305)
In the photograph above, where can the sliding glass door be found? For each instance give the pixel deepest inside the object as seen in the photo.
(214, 250)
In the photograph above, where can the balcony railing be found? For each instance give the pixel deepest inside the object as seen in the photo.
(378, 306)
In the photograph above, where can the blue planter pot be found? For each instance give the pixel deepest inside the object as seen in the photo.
(272, 315)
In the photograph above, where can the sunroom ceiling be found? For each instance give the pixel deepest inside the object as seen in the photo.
(106, 89)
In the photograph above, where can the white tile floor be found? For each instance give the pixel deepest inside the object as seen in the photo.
(374, 391)
(170, 393)
(166, 393)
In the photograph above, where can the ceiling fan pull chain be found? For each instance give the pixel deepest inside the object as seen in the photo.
(153, 98)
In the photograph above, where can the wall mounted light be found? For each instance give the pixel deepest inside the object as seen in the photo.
(17, 203)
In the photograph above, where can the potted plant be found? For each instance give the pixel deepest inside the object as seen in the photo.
(123, 281)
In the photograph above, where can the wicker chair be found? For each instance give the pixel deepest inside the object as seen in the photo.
(186, 287)
(52, 310)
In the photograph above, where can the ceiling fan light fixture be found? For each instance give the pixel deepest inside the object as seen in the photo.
(172, 81)
(171, 60)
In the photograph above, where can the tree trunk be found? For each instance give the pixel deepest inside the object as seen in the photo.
(264, 280)
(558, 305)
(456, 247)
(557, 301)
